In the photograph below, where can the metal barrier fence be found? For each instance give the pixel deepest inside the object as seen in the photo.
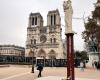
(21, 60)
(52, 62)
(17, 60)
(56, 62)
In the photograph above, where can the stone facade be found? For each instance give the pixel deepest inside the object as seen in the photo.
(12, 50)
(93, 56)
(44, 41)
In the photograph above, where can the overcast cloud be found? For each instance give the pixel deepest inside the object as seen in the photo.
(14, 18)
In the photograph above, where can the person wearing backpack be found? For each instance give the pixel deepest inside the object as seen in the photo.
(40, 68)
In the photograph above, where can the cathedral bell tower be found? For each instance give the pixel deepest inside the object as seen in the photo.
(53, 18)
(35, 22)
(54, 21)
(54, 30)
(35, 19)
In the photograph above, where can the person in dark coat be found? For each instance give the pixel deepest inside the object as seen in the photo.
(40, 68)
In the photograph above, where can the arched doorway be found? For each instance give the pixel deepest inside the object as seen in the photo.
(41, 54)
(52, 54)
(31, 53)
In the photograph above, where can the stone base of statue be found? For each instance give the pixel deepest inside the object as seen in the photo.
(93, 56)
(70, 56)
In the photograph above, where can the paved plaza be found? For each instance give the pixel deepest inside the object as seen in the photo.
(24, 73)
(60, 78)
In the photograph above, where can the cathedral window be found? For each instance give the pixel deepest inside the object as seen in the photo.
(51, 19)
(34, 41)
(33, 21)
(51, 40)
(43, 39)
(54, 19)
(54, 40)
(31, 42)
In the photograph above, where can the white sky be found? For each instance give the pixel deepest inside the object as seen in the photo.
(14, 18)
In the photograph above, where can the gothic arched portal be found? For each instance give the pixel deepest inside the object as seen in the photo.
(52, 54)
(31, 53)
(41, 53)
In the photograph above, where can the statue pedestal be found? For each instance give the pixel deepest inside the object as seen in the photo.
(93, 56)
(70, 56)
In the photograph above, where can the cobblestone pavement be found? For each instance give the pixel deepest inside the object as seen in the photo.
(24, 73)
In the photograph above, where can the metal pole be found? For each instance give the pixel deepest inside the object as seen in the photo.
(32, 57)
(68, 61)
(70, 56)
(32, 65)
(44, 61)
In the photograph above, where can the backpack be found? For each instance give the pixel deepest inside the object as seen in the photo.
(37, 68)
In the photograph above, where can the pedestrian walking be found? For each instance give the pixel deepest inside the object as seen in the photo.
(40, 68)
(95, 64)
(82, 66)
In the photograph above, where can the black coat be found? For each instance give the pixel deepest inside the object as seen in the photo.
(40, 67)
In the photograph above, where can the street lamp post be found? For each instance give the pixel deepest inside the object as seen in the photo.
(32, 64)
(32, 50)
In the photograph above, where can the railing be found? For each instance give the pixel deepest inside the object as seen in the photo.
(52, 62)
(5, 59)
(21, 60)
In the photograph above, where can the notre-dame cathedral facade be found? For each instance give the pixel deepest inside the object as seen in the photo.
(44, 41)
